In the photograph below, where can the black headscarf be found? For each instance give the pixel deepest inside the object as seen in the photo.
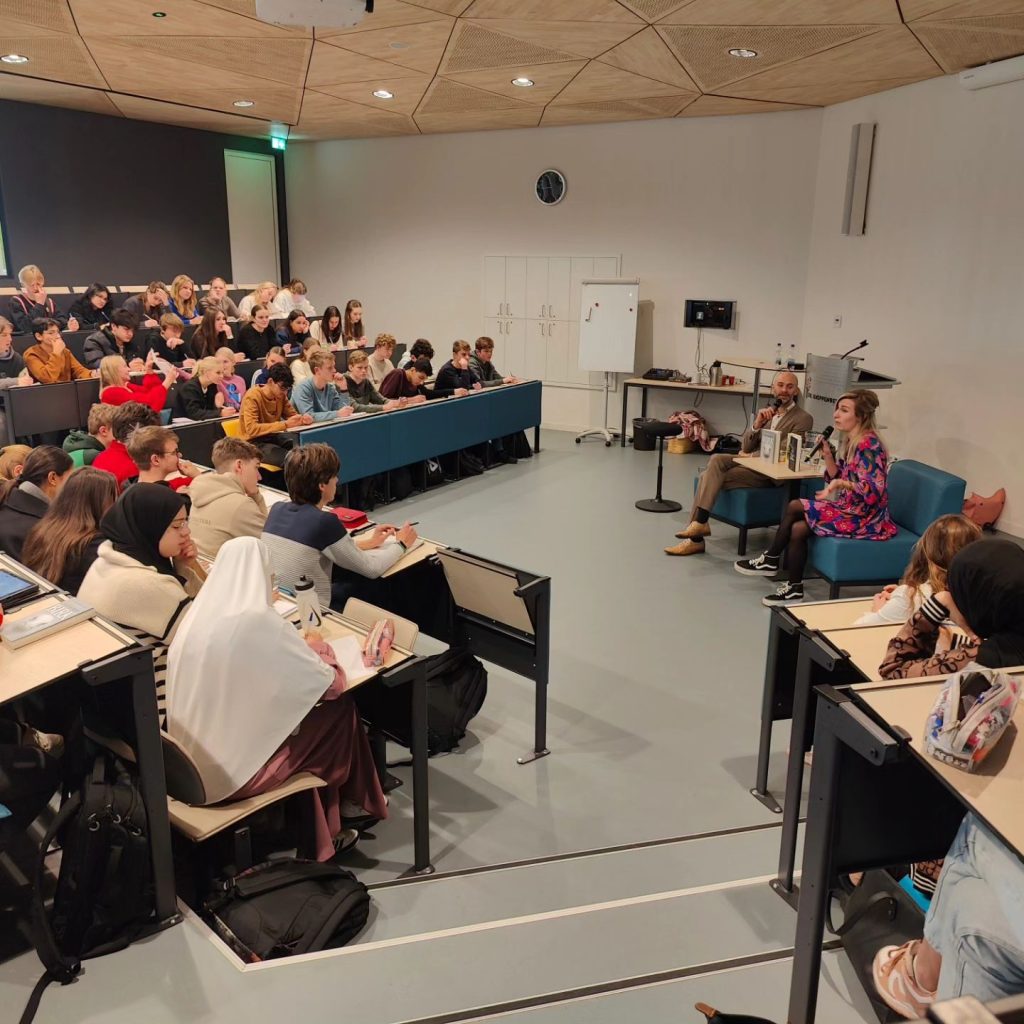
(986, 580)
(135, 524)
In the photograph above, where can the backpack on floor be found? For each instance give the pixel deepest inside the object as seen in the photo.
(287, 907)
(433, 474)
(456, 689)
(518, 445)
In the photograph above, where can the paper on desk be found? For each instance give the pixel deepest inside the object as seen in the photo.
(349, 652)
(284, 606)
(272, 497)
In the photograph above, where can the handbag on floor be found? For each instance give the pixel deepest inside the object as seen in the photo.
(287, 907)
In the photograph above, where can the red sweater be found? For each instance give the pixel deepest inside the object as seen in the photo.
(115, 459)
(150, 392)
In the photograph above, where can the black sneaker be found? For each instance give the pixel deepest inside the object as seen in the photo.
(787, 593)
(763, 565)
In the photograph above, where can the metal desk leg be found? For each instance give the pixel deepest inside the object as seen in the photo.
(756, 395)
(625, 409)
(536, 439)
(542, 657)
(764, 748)
(420, 792)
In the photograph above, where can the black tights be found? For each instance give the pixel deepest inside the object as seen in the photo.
(792, 538)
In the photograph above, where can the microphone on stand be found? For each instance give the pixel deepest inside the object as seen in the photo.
(863, 344)
(822, 441)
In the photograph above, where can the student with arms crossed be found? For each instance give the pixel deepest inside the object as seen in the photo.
(49, 360)
(257, 338)
(266, 414)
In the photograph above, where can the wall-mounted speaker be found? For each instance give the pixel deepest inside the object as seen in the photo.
(858, 179)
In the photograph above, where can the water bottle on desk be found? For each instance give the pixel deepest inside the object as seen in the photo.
(791, 362)
(308, 604)
(778, 355)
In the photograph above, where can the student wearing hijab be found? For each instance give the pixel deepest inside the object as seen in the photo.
(245, 731)
(146, 574)
(986, 583)
(974, 931)
(25, 500)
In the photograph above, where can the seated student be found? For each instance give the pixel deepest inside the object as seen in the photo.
(293, 333)
(317, 394)
(853, 504)
(93, 308)
(304, 540)
(217, 297)
(150, 306)
(266, 414)
(455, 377)
(115, 339)
(116, 386)
(274, 357)
(199, 398)
(12, 460)
(146, 530)
(407, 383)
(230, 385)
(154, 450)
(327, 330)
(300, 367)
(64, 543)
(169, 344)
(353, 330)
(421, 349)
(49, 360)
(182, 300)
(480, 362)
(925, 574)
(88, 443)
(115, 459)
(361, 391)
(24, 501)
(380, 361)
(262, 295)
(213, 333)
(256, 338)
(13, 373)
(227, 502)
(973, 941)
(32, 303)
(245, 731)
(290, 299)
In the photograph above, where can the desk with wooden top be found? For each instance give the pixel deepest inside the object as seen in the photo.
(100, 653)
(876, 799)
(780, 473)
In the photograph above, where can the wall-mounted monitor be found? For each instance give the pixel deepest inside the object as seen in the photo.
(709, 313)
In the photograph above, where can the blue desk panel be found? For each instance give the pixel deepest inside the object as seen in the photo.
(363, 445)
(512, 408)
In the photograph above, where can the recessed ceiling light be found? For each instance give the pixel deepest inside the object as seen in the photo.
(244, 103)
(399, 46)
(14, 58)
(383, 94)
(741, 51)
(523, 83)
(159, 14)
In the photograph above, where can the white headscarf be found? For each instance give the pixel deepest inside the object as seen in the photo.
(239, 677)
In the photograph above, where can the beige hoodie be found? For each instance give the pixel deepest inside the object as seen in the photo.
(221, 510)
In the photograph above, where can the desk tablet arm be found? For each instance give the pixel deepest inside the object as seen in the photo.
(860, 732)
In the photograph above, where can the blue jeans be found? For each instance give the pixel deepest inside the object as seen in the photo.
(976, 918)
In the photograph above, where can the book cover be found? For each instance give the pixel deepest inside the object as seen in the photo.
(794, 451)
(45, 623)
(771, 442)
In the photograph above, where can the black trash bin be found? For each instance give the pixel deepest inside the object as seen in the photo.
(642, 441)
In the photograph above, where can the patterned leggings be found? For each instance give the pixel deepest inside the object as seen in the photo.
(792, 537)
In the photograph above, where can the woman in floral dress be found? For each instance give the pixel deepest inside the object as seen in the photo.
(853, 502)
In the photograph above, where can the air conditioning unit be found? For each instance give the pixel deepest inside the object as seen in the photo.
(997, 73)
(314, 13)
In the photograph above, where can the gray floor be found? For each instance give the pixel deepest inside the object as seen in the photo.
(655, 695)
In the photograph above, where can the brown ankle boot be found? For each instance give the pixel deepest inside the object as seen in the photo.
(687, 547)
(695, 531)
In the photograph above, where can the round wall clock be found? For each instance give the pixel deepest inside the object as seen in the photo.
(551, 187)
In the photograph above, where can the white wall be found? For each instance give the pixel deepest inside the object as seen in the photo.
(937, 283)
(702, 208)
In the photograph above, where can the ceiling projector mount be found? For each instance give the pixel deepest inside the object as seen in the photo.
(314, 13)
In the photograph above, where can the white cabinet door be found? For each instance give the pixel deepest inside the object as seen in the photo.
(515, 286)
(557, 338)
(535, 360)
(559, 286)
(606, 266)
(494, 286)
(581, 269)
(576, 375)
(510, 348)
(536, 287)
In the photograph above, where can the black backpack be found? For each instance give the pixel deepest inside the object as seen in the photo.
(456, 689)
(287, 907)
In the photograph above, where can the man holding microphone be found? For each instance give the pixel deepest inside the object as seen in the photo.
(727, 472)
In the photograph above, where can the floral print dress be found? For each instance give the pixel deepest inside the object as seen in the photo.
(861, 513)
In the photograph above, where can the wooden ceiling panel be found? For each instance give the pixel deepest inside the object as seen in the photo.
(141, 109)
(454, 7)
(386, 14)
(163, 77)
(577, 38)
(704, 49)
(598, 83)
(417, 47)
(616, 110)
(548, 80)
(718, 106)
(913, 9)
(55, 94)
(184, 18)
(473, 48)
(59, 58)
(480, 121)
(652, 10)
(545, 10)
(331, 65)
(36, 17)
(786, 12)
(967, 42)
(327, 117)
(406, 93)
(965, 9)
(447, 97)
(647, 54)
(829, 93)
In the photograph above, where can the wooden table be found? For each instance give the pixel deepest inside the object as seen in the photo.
(780, 473)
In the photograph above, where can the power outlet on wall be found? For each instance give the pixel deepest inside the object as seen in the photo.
(837, 321)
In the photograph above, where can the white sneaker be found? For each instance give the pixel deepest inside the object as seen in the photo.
(345, 840)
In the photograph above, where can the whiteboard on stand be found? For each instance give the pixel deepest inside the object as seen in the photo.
(608, 311)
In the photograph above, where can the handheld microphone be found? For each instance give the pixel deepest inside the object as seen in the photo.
(776, 402)
(822, 441)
